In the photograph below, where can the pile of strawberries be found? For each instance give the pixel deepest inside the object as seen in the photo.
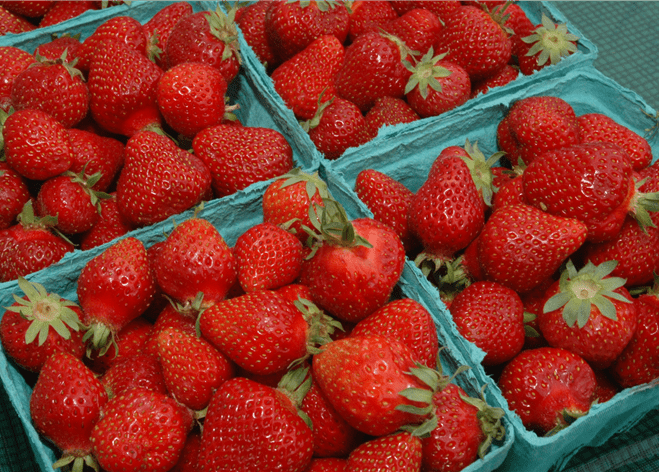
(120, 131)
(347, 68)
(288, 351)
(545, 254)
(20, 17)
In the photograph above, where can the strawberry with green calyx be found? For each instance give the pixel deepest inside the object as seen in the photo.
(39, 324)
(160, 26)
(419, 28)
(251, 426)
(93, 154)
(548, 44)
(251, 20)
(53, 49)
(590, 313)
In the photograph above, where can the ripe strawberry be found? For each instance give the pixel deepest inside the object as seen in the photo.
(605, 387)
(14, 194)
(521, 246)
(504, 76)
(548, 388)
(129, 341)
(251, 20)
(268, 257)
(33, 9)
(193, 369)
(307, 79)
(37, 146)
(362, 377)
(388, 111)
(292, 26)
(109, 226)
(210, 37)
(475, 40)
(159, 179)
(355, 264)
(418, 28)
(240, 156)
(65, 405)
(160, 26)
(195, 258)
(95, 153)
(114, 288)
(13, 61)
(398, 452)
(441, 9)
(407, 321)
(139, 370)
(328, 464)
(367, 16)
(250, 426)
(389, 200)
(512, 193)
(590, 313)
(372, 68)
(191, 97)
(436, 85)
(53, 322)
(520, 26)
(492, 317)
(599, 127)
(169, 316)
(140, 430)
(546, 45)
(187, 461)
(65, 10)
(12, 23)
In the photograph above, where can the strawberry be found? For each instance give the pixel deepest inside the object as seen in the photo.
(139, 370)
(590, 313)
(521, 246)
(191, 97)
(355, 264)
(193, 369)
(398, 452)
(548, 388)
(65, 406)
(268, 257)
(490, 316)
(195, 258)
(13, 61)
(407, 321)
(52, 321)
(605, 387)
(63, 10)
(187, 461)
(337, 126)
(599, 127)
(12, 23)
(37, 146)
(441, 9)
(511, 193)
(372, 68)
(520, 26)
(210, 37)
(250, 426)
(160, 26)
(316, 65)
(366, 16)
(546, 45)
(387, 111)
(30, 245)
(96, 154)
(240, 156)
(33, 9)
(109, 226)
(114, 288)
(475, 40)
(362, 377)
(14, 194)
(418, 28)
(140, 430)
(504, 76)
(436, 86)
(328, 464)
(169, 316)
(292, 26)
(251, 20)
(159, 179)
(389, 200)
(129, 341)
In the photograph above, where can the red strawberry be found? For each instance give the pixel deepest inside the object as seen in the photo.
(355, 265)
(268, 257)
(398, 452)
(373, 68)
(250, 426)
(159, 179)
(53, 322)
(545, 46)
(327, 464)
(418, 28)
(240, 156)
(520, 25)
(65, 405)
(492, 317)
(12, 23)
(389, 111)
(251, 20)
(140, 430)
(605, 387)
(14, 194)
(441, 9)
(128, 342)
(191, 97)
(504, 76)
(169, 316)
(548, 388)
(210, 37)
(193, 369)
(160, 26)
(114, 288)
(590, 313)
(195, 258)
(367, 16)
(109, 226)
(292, 26)
(512, 193)
(37, 146)
(95, 153)
(13, 61)
(307, 78)
(521, 246)
(63, 10)
(187, 461)
(33, 9)
(139, 370)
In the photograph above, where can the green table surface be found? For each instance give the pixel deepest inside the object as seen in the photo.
(627, 36)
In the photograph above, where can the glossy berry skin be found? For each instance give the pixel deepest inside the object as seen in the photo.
(14, 193)
(341, 126)
(160, 26)
(542, 385)
(399, 452)
(250, 426)
(62, 11)
(13, 61)
(504, 76)
(455, 91)
(388, 111)
(492, 317)
(11, 23)
(366, 16)
(418, 28)
(68, 200)
(96, 154)
(327, 464)
(109, 226)
(139, 370)
(251, 20)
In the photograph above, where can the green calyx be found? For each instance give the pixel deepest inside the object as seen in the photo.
(69, 66)
(87, 182)
(490, 421)
(45, 311)
(295, 384)
(552, 42)
(99, 337)
(321, 327)
(642, 204)
(313, 122)
(77, 463)
(223, 27)
(481, 169)
(580, 290)
(425, 73)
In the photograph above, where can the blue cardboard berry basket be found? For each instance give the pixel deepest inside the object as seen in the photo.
(232, 216)
(406, 153)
